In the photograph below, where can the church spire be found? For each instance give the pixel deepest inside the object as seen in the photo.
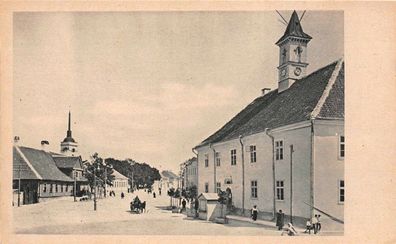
(69, 132)
(69, 145)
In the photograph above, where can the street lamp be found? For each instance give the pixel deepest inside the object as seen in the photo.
(95, 186)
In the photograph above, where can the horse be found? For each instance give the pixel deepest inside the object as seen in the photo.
(142, 207)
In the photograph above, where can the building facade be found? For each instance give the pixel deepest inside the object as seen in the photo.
(119, 184)
(285, 150)
(189, 173)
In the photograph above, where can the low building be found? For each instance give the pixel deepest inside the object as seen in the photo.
(119, 184)
(72, 167)
(168, 180)
(37, 177)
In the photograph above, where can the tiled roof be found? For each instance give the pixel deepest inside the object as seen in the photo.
(294, 29)
(168, 174)
(118, 175)
(37, 161)
(67, 162)
(288, 107)
(334, 104)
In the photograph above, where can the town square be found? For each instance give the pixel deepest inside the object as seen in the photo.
(179, 123)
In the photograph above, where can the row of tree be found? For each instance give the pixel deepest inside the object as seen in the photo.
(98, 171)
(142, 174)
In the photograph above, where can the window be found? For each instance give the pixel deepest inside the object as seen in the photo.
(56, 187)
(253, 187)
(218, 187)
(61, 188)
(233, 157)
(280, 190)
(51, 186)
(252, 154)
(279, 150)
(206, 160)
(45, 188)
(206, 187)
(341, 191)
(218, 159)
(67, 188)
(342, 147)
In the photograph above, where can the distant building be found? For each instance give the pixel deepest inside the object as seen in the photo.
(168, 180)
(286, 149)
(189, 173)
(120, 183)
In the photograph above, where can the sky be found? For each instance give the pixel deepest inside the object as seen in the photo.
(149, 85)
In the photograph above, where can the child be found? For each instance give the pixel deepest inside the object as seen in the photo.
(308, 227)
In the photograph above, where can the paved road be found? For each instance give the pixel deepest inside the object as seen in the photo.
(63, 216)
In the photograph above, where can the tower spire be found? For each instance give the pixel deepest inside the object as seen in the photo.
(69, 132)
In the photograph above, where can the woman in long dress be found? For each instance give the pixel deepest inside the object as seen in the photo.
(254, 213)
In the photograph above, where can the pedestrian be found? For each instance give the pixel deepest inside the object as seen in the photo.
(318, 224)
(183, 205)
(153, 194)
(290, 230)
(196, 207)
(280, 219)
(159, 191)
(122, 195)
(308, 227)
(254, 213)
(315, 223)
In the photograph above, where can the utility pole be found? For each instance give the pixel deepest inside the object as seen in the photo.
(94, 188)
(19, 185)
(291, 183)
(75, 185)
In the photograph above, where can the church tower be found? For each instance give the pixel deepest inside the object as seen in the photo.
(292, 53)
(69, 145)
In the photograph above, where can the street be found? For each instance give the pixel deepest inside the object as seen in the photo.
(63, 216)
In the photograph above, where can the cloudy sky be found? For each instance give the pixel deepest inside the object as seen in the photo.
(149, 85)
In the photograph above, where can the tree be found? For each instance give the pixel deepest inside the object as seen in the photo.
(190, 193)
(171, 193)
(97, 168)
(223, 200)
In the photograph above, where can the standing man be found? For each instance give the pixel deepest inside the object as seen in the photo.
(184, 204)
(280, 219)
(315, 223)
(196, 207)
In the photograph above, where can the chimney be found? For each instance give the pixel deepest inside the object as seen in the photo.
(263, 91)
(16, 140)
(44, 145)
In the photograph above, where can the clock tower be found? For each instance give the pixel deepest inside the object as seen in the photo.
(292, 53)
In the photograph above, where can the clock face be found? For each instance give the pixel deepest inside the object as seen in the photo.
(297, 71)
(283, 72)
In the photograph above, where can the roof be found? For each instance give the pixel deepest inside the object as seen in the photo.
(36, 164)
(67, 162)
(209, 196)
(168, 174)
(69, 139)
(296, 104)
(294, 29)
(118, 175)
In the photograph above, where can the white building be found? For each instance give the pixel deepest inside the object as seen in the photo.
(189, 173)
(286, 149)
(120, 183)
